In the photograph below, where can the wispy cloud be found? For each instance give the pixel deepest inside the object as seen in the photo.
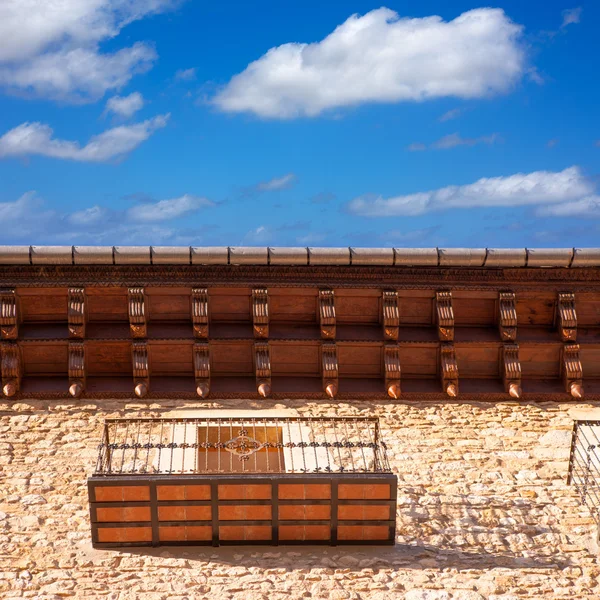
(125, 106)
(37, 139)
(278, 183)
(454, 140)
(450, 115)
(571, 16)
(323, 198)
(185, 74)
(552, 143)
(546, 190)
(380, 57)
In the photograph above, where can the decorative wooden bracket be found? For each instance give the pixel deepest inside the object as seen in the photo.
(137, 312)
(76, 368)
(507, 316)
(260, 313)
(391, 359)
(449, 370)
(566, 317)
(76, 313)
(572, 371)
(9, 314)
(262, 368)
(391, 315)
(12, 368)
(202, 368)
(329, 362)
(141, 368)
(511, 370)
(200, 312)
(444, 316)
(327, 314)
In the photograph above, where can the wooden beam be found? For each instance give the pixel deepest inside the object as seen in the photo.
(327, 314)
(260, 313)
(262, 368)
(566, 317)
(202, 368)
(77, 375)
(12, 368)
(444, 316)
(330, 370)
(200, 312)
(511, 370)
(507, 316)
(572, 371)
(9, 314)
(137, 312)
(449, 370)
(76, 313)
(391, 359)
(391, 315)
(141, 368)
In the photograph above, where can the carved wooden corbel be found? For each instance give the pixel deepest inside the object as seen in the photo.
(572, 371)
(449, 370)
(141, 368)
(137, 312)
(327, 313)
(12, 368)
(76, 313)
(444, 316)
(511, 370)
(262, 368)
(330, 371)
(507, 316)
(391, 315)
(9, 314)
(202, 368)
(566, 317)
(200, 312)
(77, 374)
(392, 370)
(260, 312)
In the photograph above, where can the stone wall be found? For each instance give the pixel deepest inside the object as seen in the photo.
(484, 512)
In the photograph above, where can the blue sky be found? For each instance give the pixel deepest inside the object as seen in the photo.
(332, 123)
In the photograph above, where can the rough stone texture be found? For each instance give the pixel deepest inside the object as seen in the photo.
(484, 512)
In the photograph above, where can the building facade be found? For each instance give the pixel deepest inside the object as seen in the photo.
(293, 422)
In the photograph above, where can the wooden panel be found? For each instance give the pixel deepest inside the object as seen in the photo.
(588, 311)
(45, 359)
(357, 309)
(477, 361)
(590, 361)
(171, 359)
(299, 307)
(109, 358)
(168, 307)
(107, 304)
(541, 362)
(474, 311)
(360, 361)
(46, 305)
(295, 359)
(418, 361)
(231, 359)
(416, 311)
(535, 309)
(230, 307)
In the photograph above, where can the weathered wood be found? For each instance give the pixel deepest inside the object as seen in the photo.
(12, 368)
(390, 314)
(77, 373)
(507, 316)
(566, 317)
(76, 313)
(391, 359)
(200, 312)
(572, 371)
(137, 312)
(449, 370)
(202, 368)
(260, 312)
(330, 371)
(262, 368)
(444, 316)
(511, 370)
(141, 368)
(327, 319)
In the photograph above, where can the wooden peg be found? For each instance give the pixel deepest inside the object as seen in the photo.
(12, 368)
(391, 315)
(262, 368)
(77, 374)
(330, 371)
(200, 312)
(507, 316)
(141, 369)
(327, 314)
(511, 370)
(137, 312)
(566, 317)
(76, 313)
(572, 371)
(444, 316)
(202, 368)
(260, 312)
(9, 314)
(449, 370)
(392, 370)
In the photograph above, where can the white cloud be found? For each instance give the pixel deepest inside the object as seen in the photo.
(37, 139)
(278, 183)
(453, 141)
(417, 147)
(571, 16)
(451, 114)
(168, 209)
(185, 74)
(380, 57)
(540, 188)
(586, 207)
(125, 106)
(52, 48)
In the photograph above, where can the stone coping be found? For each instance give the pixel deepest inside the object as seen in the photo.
(230, 255)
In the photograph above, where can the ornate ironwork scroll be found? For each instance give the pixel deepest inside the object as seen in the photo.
(141, 368)
(330, 370)
(572, 371)
(507, 316)
(391, 315)
(76, 313)
(202, 368)
(449, 370)
(444, 316)
(9, 314)
(200, 312)
(243, 446)
(327, 314)
(76, 368)
(566, 317)
(260, 312)
(511, 370)
(137, 312)
(391, 359)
